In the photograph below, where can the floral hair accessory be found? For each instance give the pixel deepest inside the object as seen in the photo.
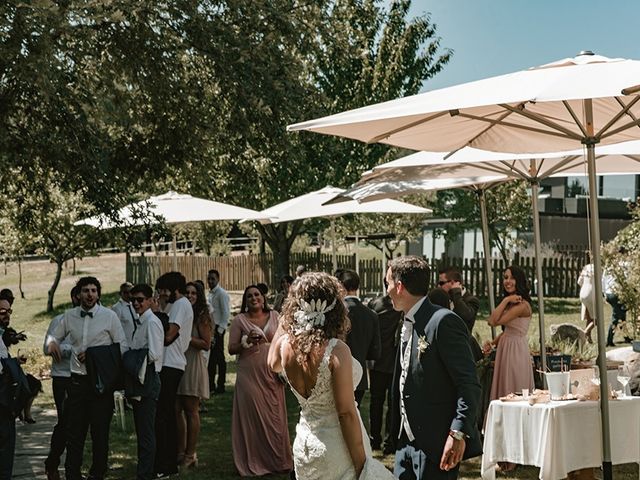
(311, 314)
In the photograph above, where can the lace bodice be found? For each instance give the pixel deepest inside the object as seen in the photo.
(320, 405)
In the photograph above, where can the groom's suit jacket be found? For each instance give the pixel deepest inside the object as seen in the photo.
(442, 391)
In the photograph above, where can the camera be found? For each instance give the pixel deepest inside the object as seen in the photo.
(12, 337)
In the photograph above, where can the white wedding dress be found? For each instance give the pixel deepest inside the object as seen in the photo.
(319, 450)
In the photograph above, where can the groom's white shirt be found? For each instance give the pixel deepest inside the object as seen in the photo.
(405, 358)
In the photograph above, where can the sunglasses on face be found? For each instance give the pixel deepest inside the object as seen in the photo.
(137, 299)
(442, 282)
(4, 311)
(386, 284)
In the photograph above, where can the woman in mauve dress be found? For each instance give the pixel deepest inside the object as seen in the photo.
(259, 428)
(513, 371)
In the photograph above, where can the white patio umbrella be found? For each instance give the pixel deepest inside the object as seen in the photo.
(311, 205)
(173, 208)
(428, 171)
(586, 100)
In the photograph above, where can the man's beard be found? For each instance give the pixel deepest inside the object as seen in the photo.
(172, 297)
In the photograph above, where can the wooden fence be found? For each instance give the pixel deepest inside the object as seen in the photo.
(236, 272)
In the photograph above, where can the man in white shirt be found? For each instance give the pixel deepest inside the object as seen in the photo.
(7, 420)
(172, 287)
(89, 325)
(125, 311)
(219, 301)
(148, 334)
(60, 380)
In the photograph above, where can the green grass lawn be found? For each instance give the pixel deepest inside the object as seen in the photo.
(214, 448)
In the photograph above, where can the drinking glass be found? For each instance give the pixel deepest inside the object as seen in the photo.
(623, 379)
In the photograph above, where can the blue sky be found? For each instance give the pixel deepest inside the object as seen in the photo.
(492, 37)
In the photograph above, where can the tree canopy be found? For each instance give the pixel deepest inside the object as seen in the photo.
(124, 99)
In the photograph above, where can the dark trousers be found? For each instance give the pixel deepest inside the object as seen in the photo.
(380, 389)
(359, 395)
(144, 416)
(411, 463)
(217, 362)
(7, 444)
(618, 314)
(60, 387)
(166, 435)
(84, 409)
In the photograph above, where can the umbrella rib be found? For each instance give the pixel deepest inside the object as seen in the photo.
(625, 110)
(387, 134)
(626, 126)
(575, 118)
(540, 119)
(565, 164)
(513, 125)
(473, 117)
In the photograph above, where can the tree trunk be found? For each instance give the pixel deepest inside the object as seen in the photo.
(20, 277)
(56, 281)
(280, 240)
(74, 267)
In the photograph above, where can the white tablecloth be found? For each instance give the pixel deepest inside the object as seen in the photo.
(559, 437)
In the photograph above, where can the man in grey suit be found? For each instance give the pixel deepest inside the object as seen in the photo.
(364, 337)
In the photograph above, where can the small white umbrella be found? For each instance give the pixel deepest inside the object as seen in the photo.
(586, 100)
(173, 208)
(311, 205)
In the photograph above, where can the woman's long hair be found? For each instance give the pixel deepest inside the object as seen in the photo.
(315, 286)
(522, 286)
(244, 308)
(200, 308)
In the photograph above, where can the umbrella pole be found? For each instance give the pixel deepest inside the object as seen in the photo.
(607, 473)
(357, 254)
(540, 290)
(384, 266)
(334, 258)
(174, 246)
(487, 254)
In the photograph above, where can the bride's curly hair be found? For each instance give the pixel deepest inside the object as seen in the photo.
(315, 286)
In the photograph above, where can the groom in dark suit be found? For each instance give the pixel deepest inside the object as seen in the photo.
(436, 393)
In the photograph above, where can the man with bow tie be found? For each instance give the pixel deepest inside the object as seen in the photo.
(85, 326)
(435, 390)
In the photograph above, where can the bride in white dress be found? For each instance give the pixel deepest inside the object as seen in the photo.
(331, 442)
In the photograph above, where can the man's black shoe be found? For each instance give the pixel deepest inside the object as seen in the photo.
(219, 390)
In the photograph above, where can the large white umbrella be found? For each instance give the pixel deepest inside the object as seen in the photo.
(586, 100)
(428, 171)
(311, 205)
(173, 208)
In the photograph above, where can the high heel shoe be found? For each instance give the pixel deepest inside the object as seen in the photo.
(190, 461)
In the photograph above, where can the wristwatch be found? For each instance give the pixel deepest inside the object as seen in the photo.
(457, 434)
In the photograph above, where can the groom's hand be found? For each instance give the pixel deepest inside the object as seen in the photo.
(452, 454)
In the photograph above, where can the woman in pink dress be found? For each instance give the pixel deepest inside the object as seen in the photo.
(513, 370)
(259, 428)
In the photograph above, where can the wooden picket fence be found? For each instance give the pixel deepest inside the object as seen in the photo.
(236, 272)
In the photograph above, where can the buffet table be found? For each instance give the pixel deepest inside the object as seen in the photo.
(560, 436)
